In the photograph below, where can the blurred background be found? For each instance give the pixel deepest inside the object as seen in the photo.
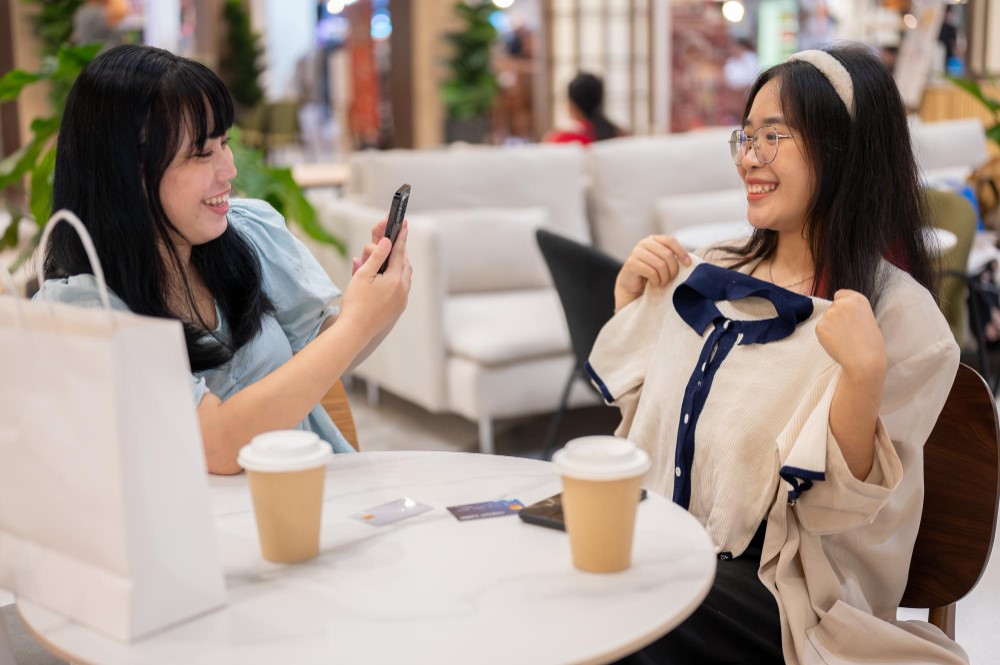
(315, 80)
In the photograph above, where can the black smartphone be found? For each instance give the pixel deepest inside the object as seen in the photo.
(549, 513)
(396, 213)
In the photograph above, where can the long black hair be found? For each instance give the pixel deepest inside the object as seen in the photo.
(586, 91)
(867, 203)
(124, 123)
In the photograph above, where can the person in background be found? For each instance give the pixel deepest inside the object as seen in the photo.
(143, 159)
(784, 385)
(97, 21)
(586, 100)
(742, 66)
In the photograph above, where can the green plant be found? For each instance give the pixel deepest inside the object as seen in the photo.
(52, 23)
(36, 159)
(276, 186)
(992, 105)
(470, 90)
(240, 66)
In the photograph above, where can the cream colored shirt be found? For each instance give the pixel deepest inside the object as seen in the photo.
(836, 555)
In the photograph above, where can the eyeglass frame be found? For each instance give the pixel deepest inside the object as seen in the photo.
(755, 143)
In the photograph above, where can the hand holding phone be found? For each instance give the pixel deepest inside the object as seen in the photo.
(397, 211)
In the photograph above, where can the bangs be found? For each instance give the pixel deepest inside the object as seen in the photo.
(205, 104)
(193, 99)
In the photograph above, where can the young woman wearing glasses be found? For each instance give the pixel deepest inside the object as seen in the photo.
(785, 385)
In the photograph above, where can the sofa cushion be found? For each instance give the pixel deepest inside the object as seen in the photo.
(628, 176)
(497, 328)
(514, 389)
(682, 210)
(492, 249)
(532, 175)
(948, 143)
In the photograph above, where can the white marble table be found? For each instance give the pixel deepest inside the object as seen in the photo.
(702, 235)
(429, 589)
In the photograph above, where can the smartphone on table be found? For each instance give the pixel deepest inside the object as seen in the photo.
(397, 211)
(549, 512)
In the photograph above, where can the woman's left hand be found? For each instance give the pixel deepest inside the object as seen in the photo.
(850, 334)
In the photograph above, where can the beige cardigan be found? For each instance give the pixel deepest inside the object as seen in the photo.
(837, 558)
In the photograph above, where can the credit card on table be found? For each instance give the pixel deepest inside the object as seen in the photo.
(484, 509)
(391, 512)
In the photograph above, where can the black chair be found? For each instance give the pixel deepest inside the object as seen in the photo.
(584, 277)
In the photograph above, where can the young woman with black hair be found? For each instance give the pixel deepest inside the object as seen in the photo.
(784, 386)
(586, 107)
(143, 160)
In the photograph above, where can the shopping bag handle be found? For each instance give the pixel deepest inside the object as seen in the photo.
(88, 246)
(7, 281)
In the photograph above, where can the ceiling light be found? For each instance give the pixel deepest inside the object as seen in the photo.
(733, 11)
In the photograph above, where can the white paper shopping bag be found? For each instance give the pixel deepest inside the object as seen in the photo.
(105, 514)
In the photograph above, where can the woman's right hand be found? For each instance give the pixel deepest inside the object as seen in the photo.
(655, 260)
(372, 301)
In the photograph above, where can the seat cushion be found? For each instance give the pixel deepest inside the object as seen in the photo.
(498, 328)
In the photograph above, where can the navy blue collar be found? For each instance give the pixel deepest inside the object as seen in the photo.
(695, 301)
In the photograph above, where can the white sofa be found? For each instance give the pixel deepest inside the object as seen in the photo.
(660, 184)
(633, 179)
(484, 335)
(949, 149)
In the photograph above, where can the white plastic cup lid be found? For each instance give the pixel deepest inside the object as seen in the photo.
(601, 458)
(284, 450)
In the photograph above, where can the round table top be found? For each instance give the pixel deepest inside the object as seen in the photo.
(429, 589)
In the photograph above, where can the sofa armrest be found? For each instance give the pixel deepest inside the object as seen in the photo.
(410, 362)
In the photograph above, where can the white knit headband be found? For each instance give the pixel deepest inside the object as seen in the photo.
(835, 72)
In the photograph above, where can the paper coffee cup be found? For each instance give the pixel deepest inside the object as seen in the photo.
(602, 477)
(286, 469)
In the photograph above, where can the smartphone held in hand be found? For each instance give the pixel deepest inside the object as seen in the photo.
(397, 211)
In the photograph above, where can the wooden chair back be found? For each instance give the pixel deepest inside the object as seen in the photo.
(962, 486)
(339, 409)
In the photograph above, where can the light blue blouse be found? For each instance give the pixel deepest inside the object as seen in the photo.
(299, 288)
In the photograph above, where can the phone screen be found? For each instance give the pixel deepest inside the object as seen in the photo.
(549, 513)
(397, 211)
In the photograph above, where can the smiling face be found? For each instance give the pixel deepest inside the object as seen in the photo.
(778, 193)
(195, 190)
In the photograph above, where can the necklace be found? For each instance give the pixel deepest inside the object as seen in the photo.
(789, 286)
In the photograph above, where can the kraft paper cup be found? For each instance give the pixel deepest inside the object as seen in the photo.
(286, 469)
(602, 477)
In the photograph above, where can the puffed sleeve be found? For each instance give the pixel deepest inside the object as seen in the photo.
(299, 288)
(923, 359)
(618, 362)
(620, 358)
(828, 498)
(81, 290)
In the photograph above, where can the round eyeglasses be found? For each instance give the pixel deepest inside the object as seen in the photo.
(764, 140)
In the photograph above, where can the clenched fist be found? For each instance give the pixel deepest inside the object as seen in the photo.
(655, 260)
(850, 334)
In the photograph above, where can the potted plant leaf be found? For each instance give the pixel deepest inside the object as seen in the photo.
(469, 92)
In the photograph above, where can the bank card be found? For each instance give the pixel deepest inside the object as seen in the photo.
(391, 512)
(484, 509)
